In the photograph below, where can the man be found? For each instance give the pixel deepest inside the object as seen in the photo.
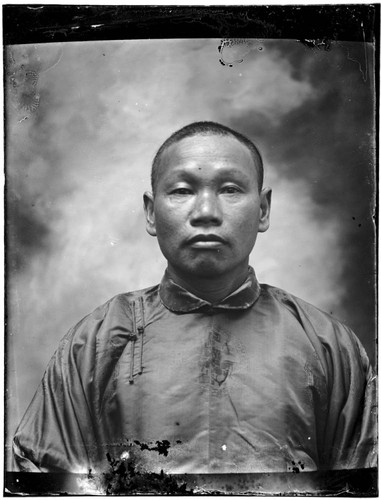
(208, 371)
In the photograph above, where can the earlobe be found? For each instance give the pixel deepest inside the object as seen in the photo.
(148, 200)
(264, 219)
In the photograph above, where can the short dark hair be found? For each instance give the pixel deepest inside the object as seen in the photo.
(206, 128)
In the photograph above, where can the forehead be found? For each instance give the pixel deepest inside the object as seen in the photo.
(202, 150)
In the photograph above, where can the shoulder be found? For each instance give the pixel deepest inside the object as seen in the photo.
(91, 349)
(109, 325)
(301, 308)
(332, 339)
(119, 306)
(296, 305)
(122, 303)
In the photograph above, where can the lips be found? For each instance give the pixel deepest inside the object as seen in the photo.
(206, 241)
(206, 237)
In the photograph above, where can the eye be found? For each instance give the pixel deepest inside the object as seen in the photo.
(231, 189)
(181, 191)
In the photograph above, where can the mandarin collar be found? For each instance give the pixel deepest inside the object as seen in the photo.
(178, 299)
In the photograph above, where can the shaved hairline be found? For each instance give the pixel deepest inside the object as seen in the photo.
(204, 129)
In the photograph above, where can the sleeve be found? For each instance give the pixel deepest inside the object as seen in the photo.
(58, 431)
(349, 440)
(351, 432)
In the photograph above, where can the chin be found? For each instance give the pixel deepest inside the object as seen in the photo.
(207, 270)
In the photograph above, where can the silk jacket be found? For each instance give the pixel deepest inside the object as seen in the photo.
(260, 382)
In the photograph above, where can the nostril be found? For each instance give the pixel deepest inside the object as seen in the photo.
(206, 210)
(205, 218)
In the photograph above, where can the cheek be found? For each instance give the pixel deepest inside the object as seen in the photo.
(247, 219)
(167, 220)
(246, 229)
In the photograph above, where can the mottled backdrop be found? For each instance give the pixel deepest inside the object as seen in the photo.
(83, 121)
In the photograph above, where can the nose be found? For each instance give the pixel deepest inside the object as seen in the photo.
(206, 210)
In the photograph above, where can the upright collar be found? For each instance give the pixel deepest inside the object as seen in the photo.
(178, 299)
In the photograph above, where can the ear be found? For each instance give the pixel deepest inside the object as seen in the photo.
(148, 200)
(264, 218)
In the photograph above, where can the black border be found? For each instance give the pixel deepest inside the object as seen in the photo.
(69, 23)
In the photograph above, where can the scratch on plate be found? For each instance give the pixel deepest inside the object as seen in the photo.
(23, 72)
(237, 49)
(364, 72)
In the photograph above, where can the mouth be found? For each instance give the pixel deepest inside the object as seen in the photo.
(206, 241)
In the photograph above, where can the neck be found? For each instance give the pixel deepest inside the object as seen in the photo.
(212, 289)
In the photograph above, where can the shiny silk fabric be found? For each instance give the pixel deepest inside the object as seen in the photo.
(259, 382)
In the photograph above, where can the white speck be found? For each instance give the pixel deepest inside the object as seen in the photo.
(308, 437)
(223, 447)
(96, 25)
(125, 455)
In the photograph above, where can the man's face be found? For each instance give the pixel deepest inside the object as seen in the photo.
(207, 210)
